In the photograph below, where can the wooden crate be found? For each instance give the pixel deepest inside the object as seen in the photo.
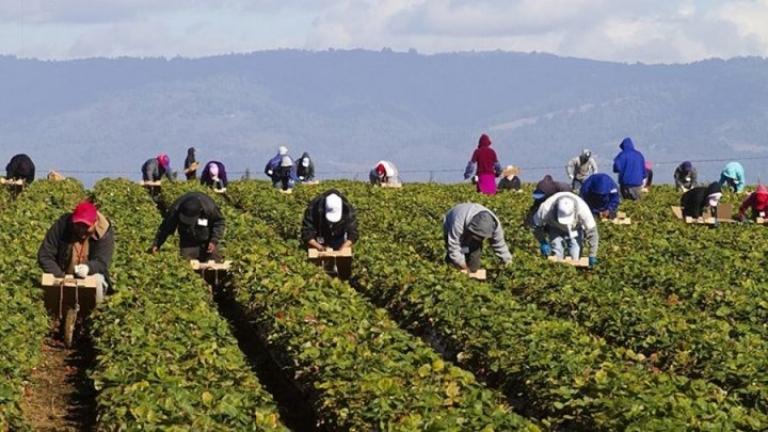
(210, 265)
(480, 275)
(581, 262)
(314, 254)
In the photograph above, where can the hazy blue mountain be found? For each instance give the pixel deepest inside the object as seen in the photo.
(351, 108)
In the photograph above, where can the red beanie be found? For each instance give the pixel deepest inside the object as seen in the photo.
(86, 213)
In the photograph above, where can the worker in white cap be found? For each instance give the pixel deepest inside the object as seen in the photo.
(579, 168)
(271, 169)
(329, 222)
(286, 173)
(565, 220)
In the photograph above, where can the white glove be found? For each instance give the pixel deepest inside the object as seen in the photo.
(301, 177)
(269, 172)
(81, 271)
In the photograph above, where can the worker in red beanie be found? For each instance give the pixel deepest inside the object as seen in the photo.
(80, 243)
(485, 165)
(156, 168)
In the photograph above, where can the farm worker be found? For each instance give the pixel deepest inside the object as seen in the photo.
(544, 189)
(648, 175)
(384, 172)
(509, 179)
(272, 166)
(330, 221)
(285, 173)
(214, 175)
(20, 167)
(696, 200)
(601, 193)
(305, 168)
(465, 227)
(563, 220)
(757, 201)
(685, 177)
(189, 170)
(579, 168)
(156, 168)
(80, 243)
(733, 176)
(629, 164)
(486, 166)
(200, 224)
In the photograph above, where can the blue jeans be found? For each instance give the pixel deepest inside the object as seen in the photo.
(560, 241)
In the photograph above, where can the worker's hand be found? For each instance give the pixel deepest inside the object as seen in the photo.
(740, 217)
(612, 215)
(316, 245)
(301, 178)
(347, 244)
(604, 214)
(154, 249)
(270, 172)
(211, 248)
(81, 271)
(592, 261)
(545, 248)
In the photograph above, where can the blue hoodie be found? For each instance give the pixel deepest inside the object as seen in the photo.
(601, 193)
(629, 164)
(735, 172)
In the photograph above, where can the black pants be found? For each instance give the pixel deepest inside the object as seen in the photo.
(631, 192)
(472, 258)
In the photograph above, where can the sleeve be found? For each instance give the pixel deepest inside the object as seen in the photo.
(678, 179)
(569, 169)
(539, 227)
(592, 165)
(103, 249)
(469, 169)
(308, 229)
(46, 255)
(352, 233)
(617, 163)
(167, 227)
(614, 201)
(497, 168)
(268, 168)
(453, 243)
(310, 170)
(748, 203)
(741, 181)
(516, 184)
(694, 177)
(167, 175)
(593, 238)
(500, 245)
(219, 226)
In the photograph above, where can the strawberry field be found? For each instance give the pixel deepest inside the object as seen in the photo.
(667, 332)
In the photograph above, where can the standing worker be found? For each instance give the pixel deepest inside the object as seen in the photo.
(685, 177)
(20, 167)
(305, 168)
(579, 168)
(214, 175)
(601, 194)
(564, 220)
(384, 172)
(757, 201)
(733, 176)
(199, 223)
(486, 166)
(509, 179)
(629, 164)
(271, 169)
(190, 164)
(697, 200)
(156, 168)
(465, 227)
(80, 243)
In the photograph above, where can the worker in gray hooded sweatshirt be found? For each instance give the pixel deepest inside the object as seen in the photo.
(579, 168)
(465, 227)
(565, 220)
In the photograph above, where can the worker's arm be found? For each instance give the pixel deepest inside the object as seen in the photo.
(469, 170)
(613, 201)
(747, 204)
(453, 244)
(570, 171)
(218, 227)
(593, 238)
(352, 234)
(499, 245)
(102, 251)
(166, 228)
(49, 249)
(308, 228)
(592, 166)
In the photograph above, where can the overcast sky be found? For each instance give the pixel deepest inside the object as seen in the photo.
(650, 31)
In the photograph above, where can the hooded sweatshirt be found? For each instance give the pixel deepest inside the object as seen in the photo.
(190, 159)
(457, 224)
(207, 179)
(316, 225)
(20, 167)
(685, 178)
(484, 158)
(545, 221)
(272, 167)
(601, 193)
(305, 173)
(757, 201)
(735, 172)
(581, 167)
(629, 164)
(153, 171)
(696, 200)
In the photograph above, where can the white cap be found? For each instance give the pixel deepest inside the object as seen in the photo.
(333, 208)
(282, 150)
(305, 162)
(213, 169)
(714, 199)
(566, 211)
(286, 161)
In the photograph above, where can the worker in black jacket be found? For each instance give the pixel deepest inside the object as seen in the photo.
(200, 225)
(699, 198)
(329, 222)
(80, 243)
(20, 167)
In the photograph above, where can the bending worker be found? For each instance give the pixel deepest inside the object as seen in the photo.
(629, 164)
(697, 200)
(384, 172)
(580, 168)
(200, 224)
(685, 177)
(601, 193)
(80, 243)
(733, 176)
(272, 167)
(190, 164)
(465, 227)
(20, 167)
(510, 179)
(156, 168)
(544, 189)
(757, 201)
(214, 175)
(330, 222)
(305, 168)
(564, 220)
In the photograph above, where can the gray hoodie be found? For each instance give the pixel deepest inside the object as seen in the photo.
(455, 225)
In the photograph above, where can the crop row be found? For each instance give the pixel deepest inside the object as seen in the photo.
(166, 359)
(24, 321)
(360, 370)
(563, 372)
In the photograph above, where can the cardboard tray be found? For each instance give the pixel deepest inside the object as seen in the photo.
(392, 185)
(49, 280)
(314, 254)
(151, 183)
(210, 265)
(5, 181)
(621, 219)
(480, 275)
(581, 263)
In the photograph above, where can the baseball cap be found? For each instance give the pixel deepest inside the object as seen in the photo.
(566, 211)
(714, 199)
(190, 211)
(333, 208)
(282, 150)
(86, 213)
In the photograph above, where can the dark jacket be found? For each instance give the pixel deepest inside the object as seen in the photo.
(685, 178)
(153, 171)
(305, 173)
(270, 169)
(55, 253)
(192, 235)
(601, 193)
(20, 167)
(188, 163)
(507, 184)
(316, 225)
(207, 179)
(629, 165)
(696, 200)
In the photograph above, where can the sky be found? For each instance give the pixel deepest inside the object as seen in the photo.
(648, 31)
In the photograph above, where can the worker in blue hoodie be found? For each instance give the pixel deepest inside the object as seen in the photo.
(629, 164)
(602, 195)
(733, 177)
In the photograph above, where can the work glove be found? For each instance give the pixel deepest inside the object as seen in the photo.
(592, 261)
(81, 271)
(545, 248)
(301, 178)
(270, 172)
